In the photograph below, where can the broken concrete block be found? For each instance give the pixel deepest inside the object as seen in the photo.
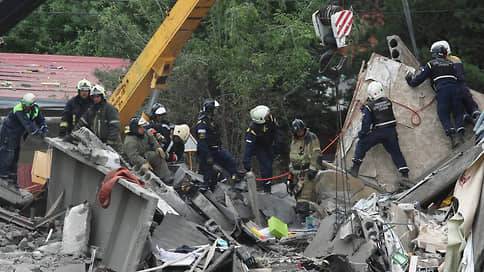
(15, 196)
(75, 235)
(52, 248)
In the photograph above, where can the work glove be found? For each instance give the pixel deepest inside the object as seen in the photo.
(312, 173)
(172, 157)
(146, 167)
(68, 138)
(161, 152)
(45, 131)
(62, 132)
(408, 78)
(37, 132)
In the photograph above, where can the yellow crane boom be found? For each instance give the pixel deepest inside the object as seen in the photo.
(153, 65)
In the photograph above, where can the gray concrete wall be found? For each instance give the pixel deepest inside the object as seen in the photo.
(119, 230)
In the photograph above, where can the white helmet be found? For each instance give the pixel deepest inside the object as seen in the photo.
(84, 85)
(28, 99)
(259, 113)
(445, 44)
(375, 90)
(98, 90)
(142, 122)
(182, 131)
(161, 110)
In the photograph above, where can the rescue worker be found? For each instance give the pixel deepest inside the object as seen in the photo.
(179, 137)
(24, 119)
(160, 127)
(262, 140)
(102, 119)
(209, 148)
(143, 151)
(444, 80)
(471, 109)
(378, 126)
(75, 108)
(303, 166)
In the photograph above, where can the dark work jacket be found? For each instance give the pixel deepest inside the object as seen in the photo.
(440, 71)
(73, 112)
(18, 122)
(103, 120)
(377, 114)
(261, 136)
(208, 134)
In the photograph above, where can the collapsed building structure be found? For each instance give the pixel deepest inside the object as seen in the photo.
(100, 218)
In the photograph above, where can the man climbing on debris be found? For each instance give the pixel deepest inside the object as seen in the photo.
(378, 125)
(209, 148)
(263, 140)
(75, 108)
(143, 151)
(24, 119)
(443, 77)
(471, 109)
(102, 119)
(303, 166)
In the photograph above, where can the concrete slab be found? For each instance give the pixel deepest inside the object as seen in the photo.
(175, 231)
(278, 204)
(423, 144)
(211, 211)
(442, 178)
(120, 228)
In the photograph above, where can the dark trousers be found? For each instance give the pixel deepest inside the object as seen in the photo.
(449, 101)
(9, 154)
(265, 156)
(221, 157)
(388, 137)
(470, 106)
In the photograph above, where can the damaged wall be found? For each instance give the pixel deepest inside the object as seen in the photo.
(423, 145)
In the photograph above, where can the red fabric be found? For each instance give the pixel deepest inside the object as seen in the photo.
(104, 195)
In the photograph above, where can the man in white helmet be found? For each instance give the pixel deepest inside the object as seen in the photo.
(262, 140)
(75, 108)
(471, 109)
(378, 126)
(102, 119)
(24, 119)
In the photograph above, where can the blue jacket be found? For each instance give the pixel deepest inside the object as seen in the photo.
(19, 122)
(426, 72)
(207, 134)
(261, 136)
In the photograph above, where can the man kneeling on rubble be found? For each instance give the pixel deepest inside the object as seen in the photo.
(379, 126)
(143, 151)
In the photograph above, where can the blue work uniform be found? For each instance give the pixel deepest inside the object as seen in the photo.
(444, 79)
(261, 140)
(163, 128)
(18, 123)
(471, 108)
(379, 126)
(210, 151)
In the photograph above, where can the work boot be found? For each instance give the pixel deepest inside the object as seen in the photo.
(355, 168)
(453, 143)
(404, 182)
(267, 186)
(462, 138)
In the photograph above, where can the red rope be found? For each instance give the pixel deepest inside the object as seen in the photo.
(276, 177)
